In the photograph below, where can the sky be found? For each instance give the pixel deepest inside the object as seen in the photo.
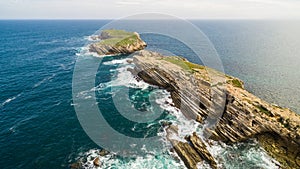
(114, 9)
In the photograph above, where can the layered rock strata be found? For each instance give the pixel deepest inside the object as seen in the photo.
(234, 114)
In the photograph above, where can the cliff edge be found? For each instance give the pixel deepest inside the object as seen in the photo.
(240, 114)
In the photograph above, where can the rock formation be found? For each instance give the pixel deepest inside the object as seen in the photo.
(115, 42)
(206, 95)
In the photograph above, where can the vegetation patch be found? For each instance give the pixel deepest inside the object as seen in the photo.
(117, 33)
(264, 110)
(183, 63)
(237, 83)
(177, 61)
(128, 41)
(118, 38)
(204, 72)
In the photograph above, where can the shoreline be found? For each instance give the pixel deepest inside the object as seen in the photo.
(245, 115)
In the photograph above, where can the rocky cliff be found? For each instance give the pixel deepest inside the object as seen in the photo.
(114, 42)
(236, 115)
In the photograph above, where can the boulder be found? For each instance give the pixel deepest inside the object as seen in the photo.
(97, 162)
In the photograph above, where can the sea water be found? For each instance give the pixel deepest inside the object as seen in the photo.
(39, 127)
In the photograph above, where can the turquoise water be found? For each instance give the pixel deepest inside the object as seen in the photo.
(38, 124)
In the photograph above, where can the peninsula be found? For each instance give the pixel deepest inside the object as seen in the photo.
(203, 94)
(244, 116)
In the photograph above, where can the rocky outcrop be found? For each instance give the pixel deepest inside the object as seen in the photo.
(235, 115)
(201, 149)
(115, 42)
(92, 159)
(185, 151)
(97, 162)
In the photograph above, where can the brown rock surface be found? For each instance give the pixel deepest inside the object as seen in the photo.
(97, 162)
(201, 149)
(185, 151)
(204, 94)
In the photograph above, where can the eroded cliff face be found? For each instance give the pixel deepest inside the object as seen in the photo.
(221, 101)
(115, 42)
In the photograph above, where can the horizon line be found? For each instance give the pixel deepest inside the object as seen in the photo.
(109, 19)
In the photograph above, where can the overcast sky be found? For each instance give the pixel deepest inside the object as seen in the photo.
(113, 9)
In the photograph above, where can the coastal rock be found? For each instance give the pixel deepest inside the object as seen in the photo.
(234, 114)
(185, 151)
(103, 152)
(201, 149)
(97, 162)
(115, 42)
(76, 165)
(192, 151)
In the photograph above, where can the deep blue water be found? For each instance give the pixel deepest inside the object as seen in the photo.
(38, 124)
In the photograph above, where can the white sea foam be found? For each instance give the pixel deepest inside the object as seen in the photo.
(48, 42)
(68, 66)
(185, 126)
(44, 80)
(118, 61)
(10, 99)
(241, 155)
(203, 165)
(122, 76)
(92, 38)
(220, 151)
(162, 159)
(19, 123)
(153, 161)
(84, 51)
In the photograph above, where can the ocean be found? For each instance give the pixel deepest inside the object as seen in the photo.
(38, 123)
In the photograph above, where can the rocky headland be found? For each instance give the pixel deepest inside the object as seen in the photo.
(204, 95)
(115, 42)
(211, 98)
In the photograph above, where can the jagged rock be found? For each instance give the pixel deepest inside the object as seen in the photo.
(97, 162)
(76, 165)
(129, 61)
(201, 149)
(115, 42)
(204, 94)
(103, 152)
(187, 154)
(278, 148)
(185, 151)
(191, 152)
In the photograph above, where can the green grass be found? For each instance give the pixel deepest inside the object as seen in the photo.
(128, 41)
(193, 65)
(204, 72)
(118, 33)
(183, 63)
(264, 110)
(119, 38)
(237, 83)
(177, 61)
(111, 41)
